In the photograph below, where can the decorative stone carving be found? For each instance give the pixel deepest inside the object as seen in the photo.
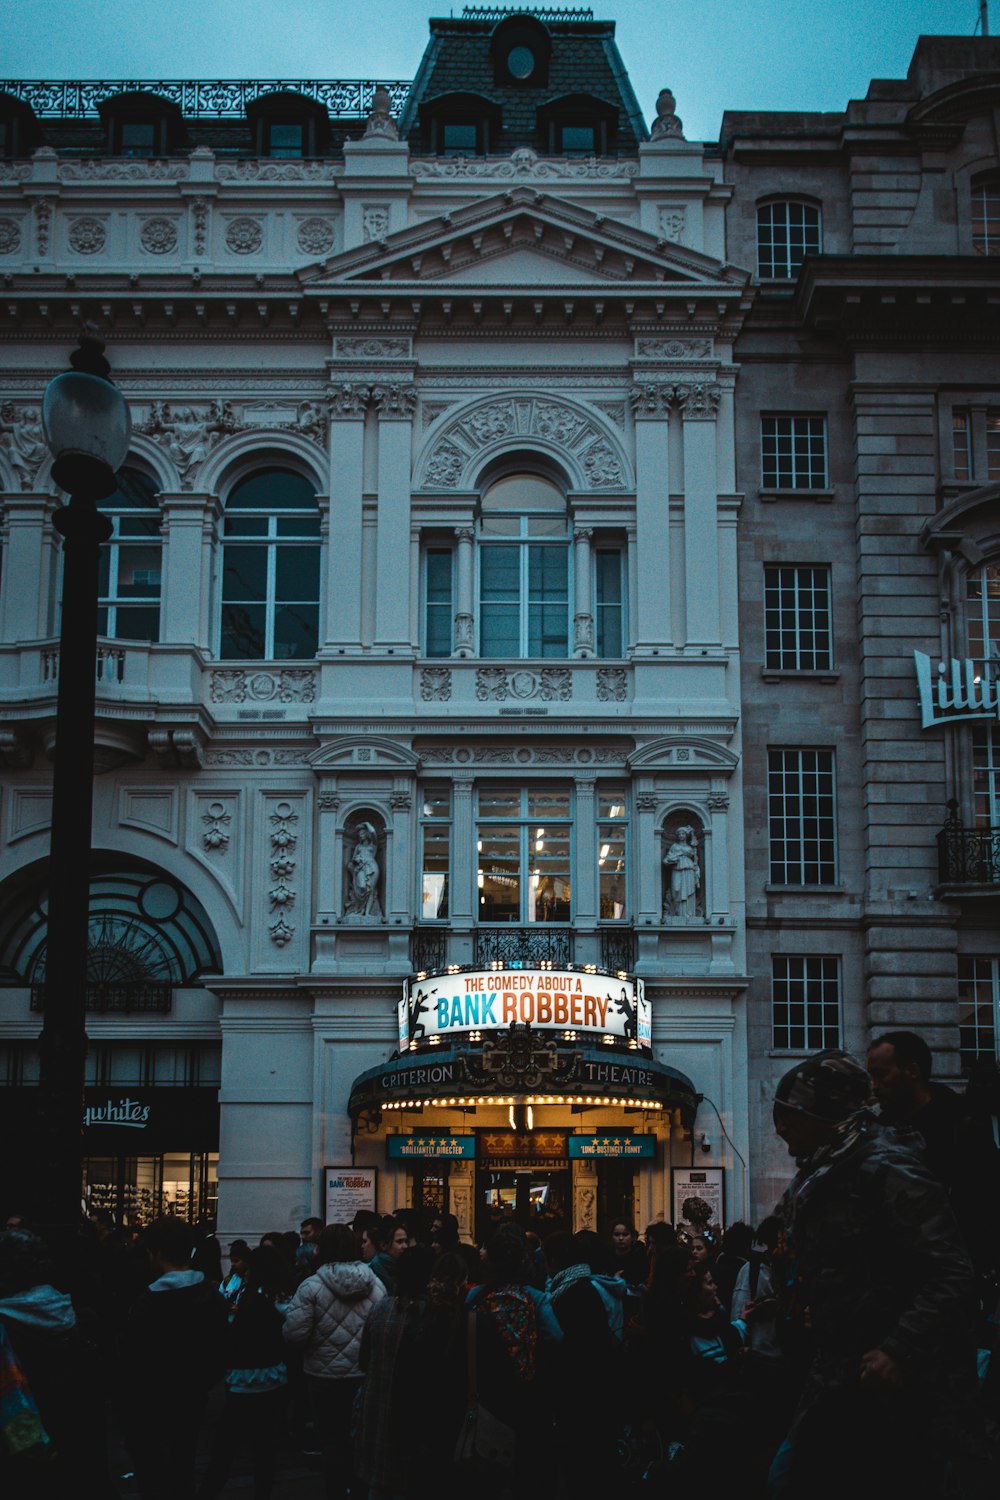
(23, 441)
(400, 801)
(290, 685)
(10, 236)
(43, 224)
(230, 758)
(372, 348)
(14, 171)
(682, 894)
(431, 410)
(672, 221)
(647, 802)
(651, 399)
(158, 236)
(362, 877)
(91, 169)
(315, 236)
(395, 401)
(497, 684)
(602, 466)
(261, 170)
(718, 801)
(674, 348)
(492, 422)
(585, 1204)
(521, 164)
(666, 126)
(199, 212)
(87, 235)
(244, 236)
(583, 632)
(699, 402)
(349, 400)
(615, 410)
(216, 821)
(189, 433)
(380, 125)
(374, 222)
(465, 633)
(558, 423)
(328, 801)
(445, 465)
(435, 684)
(525, 755)
(284, 841)
(612, 684)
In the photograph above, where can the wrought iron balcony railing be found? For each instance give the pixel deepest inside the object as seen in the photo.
(428, 949)
(103, 999)
(618, 949)
(969, 856)
(202, 98)
(524, 945)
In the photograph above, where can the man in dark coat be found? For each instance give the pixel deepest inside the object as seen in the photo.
(173, 1352)
(881, 1295)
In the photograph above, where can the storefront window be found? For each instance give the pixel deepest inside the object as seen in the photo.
(138, 1189)
(436, 837)
(611, 830)
(523, 847)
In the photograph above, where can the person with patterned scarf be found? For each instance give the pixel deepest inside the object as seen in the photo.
(881, 1295)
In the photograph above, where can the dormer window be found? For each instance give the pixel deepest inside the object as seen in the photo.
(19, 133)
(577, 125)
(458, 139)
(141, 124)
(286, 124)
(520, 47)
(461, 125)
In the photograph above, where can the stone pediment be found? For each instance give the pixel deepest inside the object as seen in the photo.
(369, 752)
(522, 238)
(683, 753)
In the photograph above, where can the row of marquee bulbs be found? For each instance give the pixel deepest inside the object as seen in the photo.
(434, 1040)
(545, 965)
(530, 1099)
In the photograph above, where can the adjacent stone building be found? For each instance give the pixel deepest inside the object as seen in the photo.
(508, 728)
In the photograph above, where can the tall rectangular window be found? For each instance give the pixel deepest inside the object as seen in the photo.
(610, 603)
(986, 217)
(802, 817)
(797, 632)
(138, 138)
(793, 453)
(612, 828)
(435, 830)
(786, 234)
(805, 1002)
(524, 600)
(961, 437)
(523, 854)
(439, 611)
(976, 442)
(978, 1008)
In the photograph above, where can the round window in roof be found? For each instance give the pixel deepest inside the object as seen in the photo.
(520, 62)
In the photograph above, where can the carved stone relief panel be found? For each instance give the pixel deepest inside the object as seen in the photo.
(526, 417)
(23, 441)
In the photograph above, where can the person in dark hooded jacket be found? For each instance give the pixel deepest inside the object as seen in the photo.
(326, 1319)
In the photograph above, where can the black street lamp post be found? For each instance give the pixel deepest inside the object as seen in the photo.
(88, 429)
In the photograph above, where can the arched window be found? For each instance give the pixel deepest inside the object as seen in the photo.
(986, 216)
(129, 587)
(270, 569)
(787, 231)
(983, 644)
(523, 569)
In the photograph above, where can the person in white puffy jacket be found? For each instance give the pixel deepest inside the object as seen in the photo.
(325, 1319)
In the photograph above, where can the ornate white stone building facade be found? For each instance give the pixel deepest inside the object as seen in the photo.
(420, 636)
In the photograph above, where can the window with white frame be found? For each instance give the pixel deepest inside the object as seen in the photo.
(797, 625)
(787, 232)
(130, 562)
(270, 569)
(802, 817)
(523, 841)
(524, 569)
(986, 217)
(978, 1008)
(805, 1002)
(609, 601)
(975, 432)
(435, 839)
(982, 618)
(612, 854)
(793, 453)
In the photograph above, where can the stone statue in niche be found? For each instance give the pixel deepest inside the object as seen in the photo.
(361, 902)
(683, 867)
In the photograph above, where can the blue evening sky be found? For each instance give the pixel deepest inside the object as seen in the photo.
(714, 54)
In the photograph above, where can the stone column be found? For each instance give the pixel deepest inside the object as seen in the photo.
(395, 405)
(27, 602)
(464, 892)
(717, 897)
(583, 617)
(398, 892)
(190, 527)
(700, 410)
(585, 902)
(341, 626)
(651, 405)
(648, 861)
(465, 631)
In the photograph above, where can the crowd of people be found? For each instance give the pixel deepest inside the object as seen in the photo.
(841, 1346)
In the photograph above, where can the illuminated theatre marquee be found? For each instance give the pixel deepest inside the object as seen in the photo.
(547, 1000)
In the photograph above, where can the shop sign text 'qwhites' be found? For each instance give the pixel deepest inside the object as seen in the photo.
(546, 999)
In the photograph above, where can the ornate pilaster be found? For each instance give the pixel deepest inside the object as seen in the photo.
(583, 619)
(699, 404)
(347, 403)
(651, 403)
(464, 891)
(394, 404)
(190, 527)
(464, 619)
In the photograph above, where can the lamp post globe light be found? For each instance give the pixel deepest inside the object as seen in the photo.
(88, 428)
